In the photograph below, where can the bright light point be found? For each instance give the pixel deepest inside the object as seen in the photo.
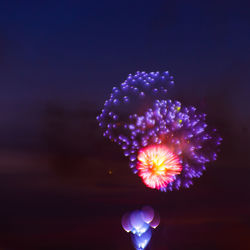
(142, 241)
(147, 214)
(155, 222)
(126, 222)
(157, 166)
(136, 220)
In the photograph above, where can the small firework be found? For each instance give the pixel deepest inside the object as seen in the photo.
(140, 224)
(150, 128)
(157, 166)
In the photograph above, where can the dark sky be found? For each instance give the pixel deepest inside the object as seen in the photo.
(58, 63)
(73, 52)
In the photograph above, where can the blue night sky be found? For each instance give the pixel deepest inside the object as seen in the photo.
(74, 50)
(71, 53)
(58, 63)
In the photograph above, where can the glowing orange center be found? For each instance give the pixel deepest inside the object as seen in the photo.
(158, 166)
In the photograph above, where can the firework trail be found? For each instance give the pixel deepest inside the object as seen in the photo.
(167, 143)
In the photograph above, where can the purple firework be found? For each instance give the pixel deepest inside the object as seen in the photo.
(138, 114)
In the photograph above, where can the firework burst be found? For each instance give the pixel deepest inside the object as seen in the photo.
(155, 131)
(157, 166)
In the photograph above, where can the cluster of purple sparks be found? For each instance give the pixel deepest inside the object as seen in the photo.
(140, 114)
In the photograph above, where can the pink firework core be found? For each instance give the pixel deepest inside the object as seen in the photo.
(157, 166)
